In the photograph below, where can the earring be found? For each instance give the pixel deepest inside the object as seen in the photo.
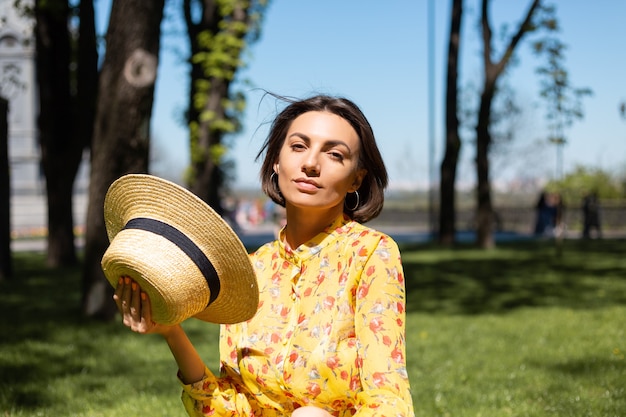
(274, 181)
(356, 205)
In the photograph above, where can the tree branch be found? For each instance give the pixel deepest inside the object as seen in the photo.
(523, 28)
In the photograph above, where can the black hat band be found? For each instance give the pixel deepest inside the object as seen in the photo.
(186, 245)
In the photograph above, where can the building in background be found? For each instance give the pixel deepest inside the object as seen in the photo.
(18, 84)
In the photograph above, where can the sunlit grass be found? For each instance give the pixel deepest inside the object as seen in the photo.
(523, 330)
(529, 362)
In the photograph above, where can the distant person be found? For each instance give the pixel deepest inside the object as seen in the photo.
(549, 212)
(544, 216)
(591, 215)
(557, 211)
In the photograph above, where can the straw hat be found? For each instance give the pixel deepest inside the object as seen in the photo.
(179, 250)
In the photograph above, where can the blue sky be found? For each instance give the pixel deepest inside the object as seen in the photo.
(376, 53)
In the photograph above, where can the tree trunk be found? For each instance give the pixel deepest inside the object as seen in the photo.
(205, 170)
(206, 133)
(59, 189)
(484, 209)
(492, 71)
(208, 180)
(447, 207)
(6, 263)
(60, 154)
(121, 138)
(86, 74)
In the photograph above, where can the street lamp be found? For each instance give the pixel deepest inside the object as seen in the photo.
(431, 117)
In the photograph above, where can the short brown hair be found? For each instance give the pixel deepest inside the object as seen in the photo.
(371, 192)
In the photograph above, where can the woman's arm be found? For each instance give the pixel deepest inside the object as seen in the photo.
(134, 304)
(380, 329)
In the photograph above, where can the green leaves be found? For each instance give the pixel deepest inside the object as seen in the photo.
(583, 180)
(219, 48)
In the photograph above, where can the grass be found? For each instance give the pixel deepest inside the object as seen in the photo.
(522, 330)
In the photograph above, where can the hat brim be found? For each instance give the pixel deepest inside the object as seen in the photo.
(164, 271)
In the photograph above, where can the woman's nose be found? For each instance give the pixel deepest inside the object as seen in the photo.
(310, 166)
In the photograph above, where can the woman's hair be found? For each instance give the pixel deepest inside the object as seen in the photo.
(371, 191)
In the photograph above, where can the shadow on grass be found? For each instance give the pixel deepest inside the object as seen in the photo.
(589, 367)
(46, 342)
(579, 274)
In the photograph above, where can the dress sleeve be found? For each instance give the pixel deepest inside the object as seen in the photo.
(380, 330)
(212, 396)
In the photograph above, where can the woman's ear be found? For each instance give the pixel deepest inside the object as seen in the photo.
(276, 168)
(358, 179)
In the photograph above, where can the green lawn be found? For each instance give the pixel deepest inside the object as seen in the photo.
(522, 330)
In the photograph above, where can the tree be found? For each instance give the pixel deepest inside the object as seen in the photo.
(66, 75)
(564, 100)
(121, 138)
(583, 180)
(447, 206)
(217, 39)
(493, 69)
(6, 264)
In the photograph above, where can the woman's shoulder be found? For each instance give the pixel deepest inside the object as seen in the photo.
(267, 248)
(360, 228)
(367, 233)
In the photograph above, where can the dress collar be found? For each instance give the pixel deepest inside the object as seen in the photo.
(340, 226)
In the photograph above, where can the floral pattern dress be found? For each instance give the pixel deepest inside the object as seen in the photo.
(329, 332)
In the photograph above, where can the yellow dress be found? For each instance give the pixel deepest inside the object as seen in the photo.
(329, 332)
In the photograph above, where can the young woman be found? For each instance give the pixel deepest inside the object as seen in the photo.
(329, 334)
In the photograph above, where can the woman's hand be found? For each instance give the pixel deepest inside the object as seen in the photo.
(310, 411)
(134, 304)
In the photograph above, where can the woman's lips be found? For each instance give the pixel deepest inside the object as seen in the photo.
(307, 184)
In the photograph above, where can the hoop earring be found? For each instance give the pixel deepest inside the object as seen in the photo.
(356, 205)
(274, 181)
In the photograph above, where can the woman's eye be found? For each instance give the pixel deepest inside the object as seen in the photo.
(336, 155)
(297, 146)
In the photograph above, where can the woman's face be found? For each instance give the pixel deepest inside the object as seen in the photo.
(318, 162)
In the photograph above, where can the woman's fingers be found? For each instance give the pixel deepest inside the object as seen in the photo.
(126, 300)
(118, 293)
(134, 305)
(146, 310)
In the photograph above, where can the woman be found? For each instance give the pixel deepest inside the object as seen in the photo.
(328, 336)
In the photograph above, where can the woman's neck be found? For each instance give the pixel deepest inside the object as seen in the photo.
(304, 224)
